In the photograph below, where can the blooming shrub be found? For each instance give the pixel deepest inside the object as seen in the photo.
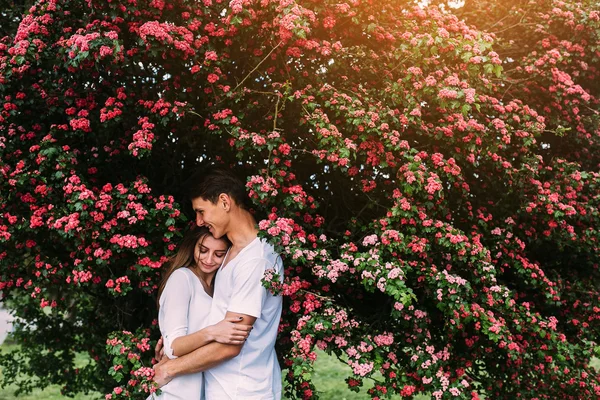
(127, 350)
(428, 174)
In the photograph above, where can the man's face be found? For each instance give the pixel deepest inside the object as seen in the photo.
(211, 215)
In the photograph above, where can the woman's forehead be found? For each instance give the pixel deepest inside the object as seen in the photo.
(210, 241)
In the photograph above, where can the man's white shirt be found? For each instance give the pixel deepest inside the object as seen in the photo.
(255, 373)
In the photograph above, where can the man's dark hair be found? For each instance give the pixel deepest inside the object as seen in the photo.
(211, 183)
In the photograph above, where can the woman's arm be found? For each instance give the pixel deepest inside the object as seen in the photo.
(228, 331)
(173, 320)
(200, 359)
(174, 309)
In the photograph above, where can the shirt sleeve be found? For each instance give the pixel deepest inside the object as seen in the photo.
(174, 307)
(248, 293)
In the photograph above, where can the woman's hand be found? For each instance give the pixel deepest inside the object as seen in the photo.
(230, 331)
(159, 351)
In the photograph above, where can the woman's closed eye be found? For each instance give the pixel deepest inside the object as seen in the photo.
(217, 254)
(220, 254)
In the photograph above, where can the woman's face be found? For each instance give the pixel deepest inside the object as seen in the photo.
(209, 253)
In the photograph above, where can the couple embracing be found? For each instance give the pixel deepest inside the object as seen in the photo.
(218, 323)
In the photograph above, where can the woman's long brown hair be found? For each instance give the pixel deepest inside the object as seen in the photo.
(184, 256)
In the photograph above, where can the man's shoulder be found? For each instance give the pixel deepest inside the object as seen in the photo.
(260, 254)
(259, 248)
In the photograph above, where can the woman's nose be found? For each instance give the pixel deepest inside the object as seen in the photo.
(210, 258)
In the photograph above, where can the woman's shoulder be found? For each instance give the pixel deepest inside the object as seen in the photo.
(180, 275)
(179, 284)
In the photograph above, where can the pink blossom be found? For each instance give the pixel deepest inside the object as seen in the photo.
(370, 240)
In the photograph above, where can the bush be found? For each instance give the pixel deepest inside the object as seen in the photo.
(428, 174)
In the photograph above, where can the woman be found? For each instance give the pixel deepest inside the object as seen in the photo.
(185, 297)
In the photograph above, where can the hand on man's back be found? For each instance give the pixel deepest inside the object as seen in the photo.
(159, 352)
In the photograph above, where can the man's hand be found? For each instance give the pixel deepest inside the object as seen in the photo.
(159, 351)
(161, 377)
(230, 331)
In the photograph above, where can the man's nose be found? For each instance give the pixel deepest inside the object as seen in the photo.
(199, 220)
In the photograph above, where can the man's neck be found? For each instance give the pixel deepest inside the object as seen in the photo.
(243, 230)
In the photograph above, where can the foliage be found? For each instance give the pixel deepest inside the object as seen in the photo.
(429, 175)
(128, 351)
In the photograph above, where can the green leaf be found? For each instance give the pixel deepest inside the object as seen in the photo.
(498, 70)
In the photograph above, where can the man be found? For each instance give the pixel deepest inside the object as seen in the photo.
(235, 371)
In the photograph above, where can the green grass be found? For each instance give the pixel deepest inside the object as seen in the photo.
(50, 393)
(329, 379)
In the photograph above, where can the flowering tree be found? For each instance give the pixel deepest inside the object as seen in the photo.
(429, 175)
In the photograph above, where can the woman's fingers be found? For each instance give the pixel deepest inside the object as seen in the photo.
(244, 328)
(158, 349)
(235, 323)
(230, 331)
(239, 337)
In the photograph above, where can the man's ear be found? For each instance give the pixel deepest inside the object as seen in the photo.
(224, 201)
